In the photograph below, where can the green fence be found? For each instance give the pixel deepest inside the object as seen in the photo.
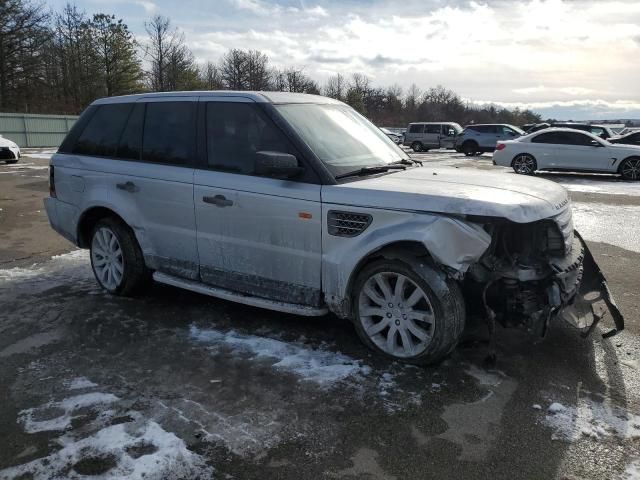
(29, 130)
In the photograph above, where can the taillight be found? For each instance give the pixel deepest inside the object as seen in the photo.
(52, 182)
(500, 146)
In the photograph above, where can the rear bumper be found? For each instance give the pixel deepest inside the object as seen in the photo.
(591, 300)
(63, 218)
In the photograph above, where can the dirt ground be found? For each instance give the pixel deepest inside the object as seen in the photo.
(178, 385)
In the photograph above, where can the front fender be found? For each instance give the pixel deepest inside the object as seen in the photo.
(451, 242)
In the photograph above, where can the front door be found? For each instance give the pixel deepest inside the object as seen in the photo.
(432, 135)
(256, 235)
(447, 136)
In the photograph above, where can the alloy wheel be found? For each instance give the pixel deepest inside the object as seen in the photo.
(396, 314)
(524, 164)
(107, 258)
(631, 169)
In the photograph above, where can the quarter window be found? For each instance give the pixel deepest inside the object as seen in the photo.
(551, 137)
(100, 136)
(169, 132)
(236, 132)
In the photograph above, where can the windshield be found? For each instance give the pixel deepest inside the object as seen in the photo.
(519, 130)
(342, 138)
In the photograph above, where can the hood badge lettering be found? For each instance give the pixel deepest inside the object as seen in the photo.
(561, 204)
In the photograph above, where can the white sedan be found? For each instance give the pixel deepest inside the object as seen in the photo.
(9, 151)
(566, 149)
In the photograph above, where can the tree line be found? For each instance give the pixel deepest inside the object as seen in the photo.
(60, 62)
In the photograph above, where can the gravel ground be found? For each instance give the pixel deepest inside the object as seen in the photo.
(179, 385)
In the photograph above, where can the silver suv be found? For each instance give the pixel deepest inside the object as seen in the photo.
(476, 139)
(298, 204)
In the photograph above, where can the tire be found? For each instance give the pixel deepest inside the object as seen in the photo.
(478, 154)
(469, 148)
(388, 329)
(9, 162)
(630, 169)
(116, 259)
(416, 146)
(524, 164)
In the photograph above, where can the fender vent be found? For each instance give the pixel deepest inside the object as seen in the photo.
(347, 224)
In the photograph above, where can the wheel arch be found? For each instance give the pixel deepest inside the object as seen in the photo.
(630, 157)
(89, 218)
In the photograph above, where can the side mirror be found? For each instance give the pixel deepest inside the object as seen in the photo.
(452, 133)
(277, 165)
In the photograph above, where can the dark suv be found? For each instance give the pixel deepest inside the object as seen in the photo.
(476, 139)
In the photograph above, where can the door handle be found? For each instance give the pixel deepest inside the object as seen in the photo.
(218, 201)
(127, 187)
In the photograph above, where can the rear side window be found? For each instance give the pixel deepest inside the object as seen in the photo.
(416, 128)
(551, 137)
(169, 133)
(432, 129)
(101, 135)
(236, 132)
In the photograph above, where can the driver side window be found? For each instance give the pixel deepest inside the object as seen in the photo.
(236, 132)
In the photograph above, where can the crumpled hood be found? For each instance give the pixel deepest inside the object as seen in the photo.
(455, 191)
(5, 142)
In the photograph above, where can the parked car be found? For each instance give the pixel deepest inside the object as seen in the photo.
(567, 149)
(602, 131)
(423, 136)
(397, 139)
(631, 138)
(480, 138)
(298, 204)
(9, 151)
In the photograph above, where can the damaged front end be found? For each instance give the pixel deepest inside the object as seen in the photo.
(535, 272)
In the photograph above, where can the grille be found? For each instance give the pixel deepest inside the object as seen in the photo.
(347, 224)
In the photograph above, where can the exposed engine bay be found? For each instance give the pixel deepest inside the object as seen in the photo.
(533, 272)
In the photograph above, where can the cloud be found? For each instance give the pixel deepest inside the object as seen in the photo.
(148, 6)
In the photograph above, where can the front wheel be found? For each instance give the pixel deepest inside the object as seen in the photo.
(524, 164)
(9, 162)
(116, 258)
(416, 146)
(630, 169)
(410, 314)
(469, 149)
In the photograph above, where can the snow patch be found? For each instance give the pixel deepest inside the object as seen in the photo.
(79, 383)
(316, 365)
(138, 450)
(591, 419)
(57, 416)
(491, 378)
(612, 224)
(610, 187)
(632, 472)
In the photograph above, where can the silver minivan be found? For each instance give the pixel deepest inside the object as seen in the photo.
(423, 136)
(298, 204)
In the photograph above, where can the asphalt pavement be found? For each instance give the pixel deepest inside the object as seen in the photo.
(176, 385)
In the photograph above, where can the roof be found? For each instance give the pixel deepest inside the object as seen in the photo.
(259, 97)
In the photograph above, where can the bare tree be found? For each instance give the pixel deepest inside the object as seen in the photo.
(294, 80)
(257, 70)
(172, 65)
(211, 77)
(233, 70)
(336, 87)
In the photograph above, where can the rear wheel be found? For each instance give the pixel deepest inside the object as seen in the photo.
(416, 146)
(412, 315)
(469, 148)
(524, 164)
(116, 258)
(630, 169)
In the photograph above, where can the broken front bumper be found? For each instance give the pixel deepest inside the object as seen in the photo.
(590, 300)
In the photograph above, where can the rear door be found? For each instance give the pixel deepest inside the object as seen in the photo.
(413, 133)
(147, 182)
(432, 132)
(544, 148)
(256, 235)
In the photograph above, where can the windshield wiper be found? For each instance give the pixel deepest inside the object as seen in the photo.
(371, 170)
(408, 161)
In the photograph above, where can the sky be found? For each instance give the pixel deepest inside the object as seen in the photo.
(564, 59)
